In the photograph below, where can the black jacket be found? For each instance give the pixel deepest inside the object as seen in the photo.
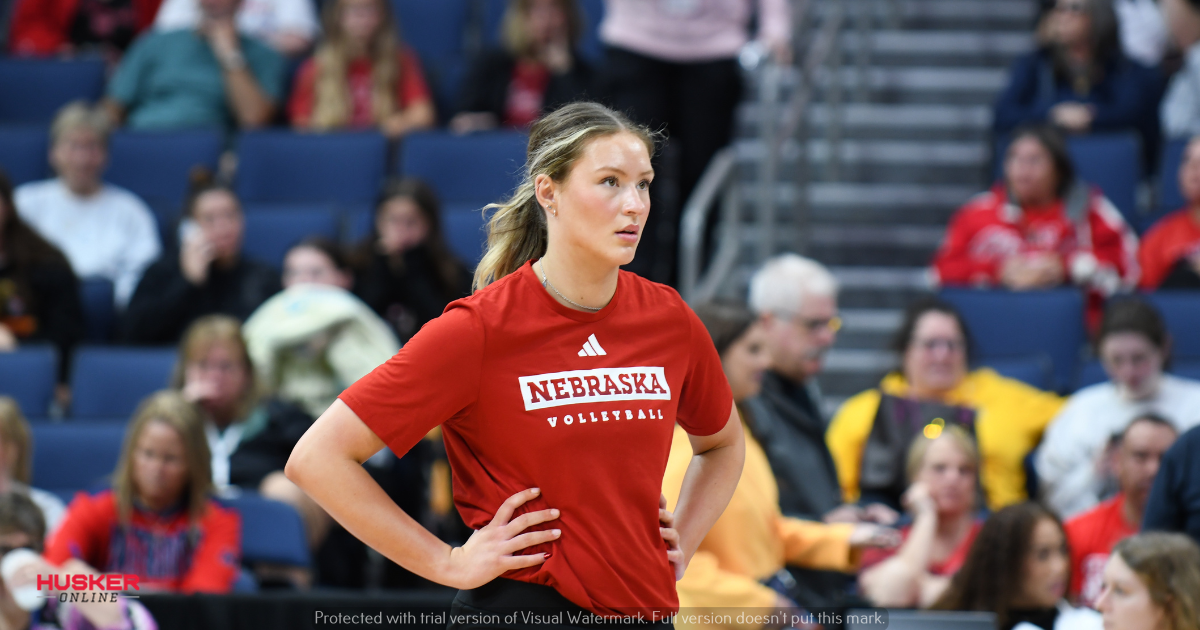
(409, 294)
(50, 301)
(486, 86)
(794, 440)
(271, 433)
(166, 303)
(1174, 503)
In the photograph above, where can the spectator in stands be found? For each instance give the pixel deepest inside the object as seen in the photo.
(288, 26)
(361, 76)
(1152, 582)
(1019, 569)
(315, 338)
(207, 275)
(1142, 30)
(39, 295)
(675, 64)
(1092, 534)
(1039, 228)
(943, 472)
(870, 434)
(1081, 81)
(232, 81)
(104, 230)
(1174, 503)
(537, 68)
(159, 520)
(740, 562)
(16, 463)
(1180, 109)
(73, 27)
(1133, 345)
(22, 527)
(1170, 251)
(796, 299)
(250, 436)
(404, 269)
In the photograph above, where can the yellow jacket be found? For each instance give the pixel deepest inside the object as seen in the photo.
(1010, 419)
(751, 540)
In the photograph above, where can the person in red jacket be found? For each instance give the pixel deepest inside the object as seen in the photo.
(1170, 253)
(52, 27)
(159, 521)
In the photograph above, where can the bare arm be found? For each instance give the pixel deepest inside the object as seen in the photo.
(115, 111)
(898, 580)
(708, 484)
(251, 105)
(327, 464)
(419, 115)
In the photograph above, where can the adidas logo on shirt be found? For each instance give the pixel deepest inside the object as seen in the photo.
(591, 348)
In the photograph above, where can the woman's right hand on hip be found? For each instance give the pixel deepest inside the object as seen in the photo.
(489, 552)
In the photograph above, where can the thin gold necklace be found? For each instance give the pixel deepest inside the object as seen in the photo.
(546, 283)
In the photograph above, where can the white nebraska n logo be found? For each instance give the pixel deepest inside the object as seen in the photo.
(588, 386)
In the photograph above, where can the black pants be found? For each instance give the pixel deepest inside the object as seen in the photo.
(505, 603)
(695, 102)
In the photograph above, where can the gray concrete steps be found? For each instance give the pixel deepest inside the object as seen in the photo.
(939, 48)
(941, 14)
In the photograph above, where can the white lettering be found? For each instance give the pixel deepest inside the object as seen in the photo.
(593, 415)
(567, 388)
(568, 420)
(552, 420)
(641, 415)
(628, 415)
(604, 416)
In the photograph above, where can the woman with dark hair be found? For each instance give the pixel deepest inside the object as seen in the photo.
(39, 294)
(872, 431)
(405, 271)
(1081, 80)
(1134, 346)
(1152, 582)
(1170, 251)
(537, 68)
(1039, 228)
(208, 275)
(1019, 569)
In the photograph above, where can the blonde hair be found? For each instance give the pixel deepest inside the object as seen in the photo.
(202, 335)
(79, 115)
(1169, 566)
(331, 91)
(515, 34)
(517, 228)
(920, 447)
(169, 408)
(14, 430)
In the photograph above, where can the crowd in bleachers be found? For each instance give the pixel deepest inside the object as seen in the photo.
(286, 264)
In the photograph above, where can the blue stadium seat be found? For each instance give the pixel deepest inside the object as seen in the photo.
(435, 30)
(35, 89)
(1181, 311)
(589, 46)
(155, 166)
(1114, 163)
(1034, 370)
(1170, 198)
(272, 231)
(28, 375)
(1023, 324)
(23, 153)
(1186, 369)
(465, 233)
(271, 531)
(68, 457)
(111, 382)
(280, 166)
(96, 296)
(477, 168)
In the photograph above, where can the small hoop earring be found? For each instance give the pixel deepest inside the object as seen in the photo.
(553, 211)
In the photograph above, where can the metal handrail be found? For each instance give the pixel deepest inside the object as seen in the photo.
(695, 219)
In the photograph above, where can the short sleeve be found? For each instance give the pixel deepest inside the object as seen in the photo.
(705, 399)
(432, 379)
(268, 67)
(412, 88)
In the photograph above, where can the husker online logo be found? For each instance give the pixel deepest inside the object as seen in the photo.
(594, 386)
(85, 587)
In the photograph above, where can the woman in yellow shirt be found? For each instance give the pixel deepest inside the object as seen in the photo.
(872, 431)
(747, 548)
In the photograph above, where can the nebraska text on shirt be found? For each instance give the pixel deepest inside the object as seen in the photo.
(590, 386)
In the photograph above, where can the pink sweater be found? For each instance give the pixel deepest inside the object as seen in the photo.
(691, 30)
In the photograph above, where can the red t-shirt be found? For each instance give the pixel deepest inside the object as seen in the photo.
(167, 551)
(526, 92)
(1092, 536)
(1175, 237)
(411, 88)
(947, 567)
(532, 394)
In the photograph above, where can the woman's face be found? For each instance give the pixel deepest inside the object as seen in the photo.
(1072, 26)
(401, 225)
(936, 359)
(361, 19)
(949, 474)
(79, 157)
(1133, 363)
(1029, 171)
(545, 21)
(1046, 568)
(309, 265)
(1125, 601)
(219, 217)
(745, 361)
(159, 465)
(1189, 173)
(604, 201)
(221, 375)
